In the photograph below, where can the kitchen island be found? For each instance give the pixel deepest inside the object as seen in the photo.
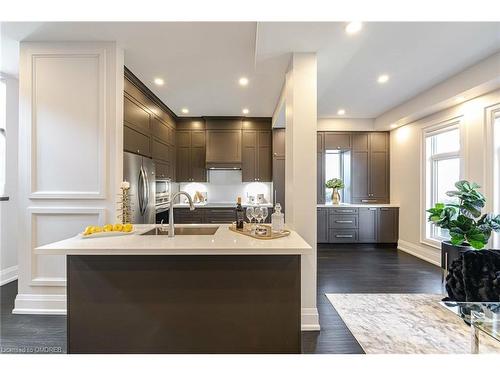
(206, 293)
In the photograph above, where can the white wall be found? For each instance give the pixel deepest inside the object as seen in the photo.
(225, 186)
(300, 170)
(406, 165)
(8, 213)
(346, 124)
(70, 157)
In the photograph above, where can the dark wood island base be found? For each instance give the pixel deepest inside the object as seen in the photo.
(183, 303)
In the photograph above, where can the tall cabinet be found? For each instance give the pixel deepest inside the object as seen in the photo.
(256, 155)
(370, 167)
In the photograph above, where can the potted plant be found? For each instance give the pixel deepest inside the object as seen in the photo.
(336, 184)
(469, 230)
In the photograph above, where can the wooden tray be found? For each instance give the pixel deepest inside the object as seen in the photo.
(246, 231)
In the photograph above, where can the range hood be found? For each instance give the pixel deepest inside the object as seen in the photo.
(223, 166)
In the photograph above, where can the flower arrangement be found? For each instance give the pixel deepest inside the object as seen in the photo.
(335, 184)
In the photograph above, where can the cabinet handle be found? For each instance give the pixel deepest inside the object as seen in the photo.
(274, 196)
(343, 235)
(138, 151)
(345, 211)
(344, 221)
(372, 209)
(368, 200)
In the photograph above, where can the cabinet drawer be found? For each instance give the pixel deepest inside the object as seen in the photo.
(136, 142)
(186, 216)
(343, 221)
(342, 235)
(344, 210)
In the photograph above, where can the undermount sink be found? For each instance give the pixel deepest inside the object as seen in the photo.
(186, 231)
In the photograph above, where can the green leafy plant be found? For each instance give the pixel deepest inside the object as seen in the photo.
(463, 219)
(335, 183)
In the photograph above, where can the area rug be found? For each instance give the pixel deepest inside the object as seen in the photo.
(406, 324)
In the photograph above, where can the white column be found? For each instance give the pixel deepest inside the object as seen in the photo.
(300, 170)
(70, 157)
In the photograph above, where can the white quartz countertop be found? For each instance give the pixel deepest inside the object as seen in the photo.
(219, 205)
(223, 242)
(347, 205)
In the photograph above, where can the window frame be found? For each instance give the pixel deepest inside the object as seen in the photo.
(429, 177)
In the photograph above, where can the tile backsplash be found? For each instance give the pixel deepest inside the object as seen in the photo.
(225, 186)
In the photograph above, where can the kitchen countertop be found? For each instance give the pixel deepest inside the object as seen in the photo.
(347, 205)
(223, 242)
(219, 205)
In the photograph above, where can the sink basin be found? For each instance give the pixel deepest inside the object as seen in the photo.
(186, 231)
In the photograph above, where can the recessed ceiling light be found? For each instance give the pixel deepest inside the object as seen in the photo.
(159, 81)
(383, 78)
(243, 81)
(341, 112)
(185, 110)
(245, 111)
(353, 27)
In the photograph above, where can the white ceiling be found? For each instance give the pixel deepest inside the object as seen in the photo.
(201, 62)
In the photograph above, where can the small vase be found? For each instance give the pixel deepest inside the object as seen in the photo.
(335, 197)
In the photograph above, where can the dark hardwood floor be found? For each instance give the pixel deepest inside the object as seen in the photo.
(341, 269)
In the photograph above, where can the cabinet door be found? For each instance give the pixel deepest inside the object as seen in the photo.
(136, 116)
(337, 141)
(264, 156)
(367, 225)
(163, 169)
(223, 146)
(183, 163)
(183, 138)
(387, 225)
(379, 176)
(359, 174)
(160, 130)
(136, 142)
(161, 151)
(198, 138)
(198, 170)
(220, 215)
(279, 181)
(322, 224)
(360, 141)
(279, 142)
(249, 156)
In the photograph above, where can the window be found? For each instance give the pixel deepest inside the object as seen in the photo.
(333, 169)
(443, 167)
(3, 120)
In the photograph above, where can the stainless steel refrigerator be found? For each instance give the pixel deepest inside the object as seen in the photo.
(140, 173)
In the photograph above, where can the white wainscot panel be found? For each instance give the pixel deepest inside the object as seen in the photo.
(50, 225)
(68, 119)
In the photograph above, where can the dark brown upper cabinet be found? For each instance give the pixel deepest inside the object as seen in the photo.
(223, 148)
(337, 141)
(190, 156)
(257, 154)
(149, 126)
(370, 167)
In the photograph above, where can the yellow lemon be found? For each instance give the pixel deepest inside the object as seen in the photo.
(88, 230)
(97, 229)
(118, 227)
(127, 227)
(107, 228)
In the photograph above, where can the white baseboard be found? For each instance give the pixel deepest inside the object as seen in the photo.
(309, 319)
(8, 275)
(428, 254)
(40, 304)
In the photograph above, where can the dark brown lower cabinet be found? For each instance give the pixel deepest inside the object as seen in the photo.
(367, 224)
(183, 304)
(205, 215)
(359, 225)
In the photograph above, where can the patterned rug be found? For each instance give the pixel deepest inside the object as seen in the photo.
(406, 324)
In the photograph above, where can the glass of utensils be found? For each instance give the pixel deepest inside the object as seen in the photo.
(250, 214)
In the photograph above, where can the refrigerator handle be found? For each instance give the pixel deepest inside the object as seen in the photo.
(146, 191)
(140, 191)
